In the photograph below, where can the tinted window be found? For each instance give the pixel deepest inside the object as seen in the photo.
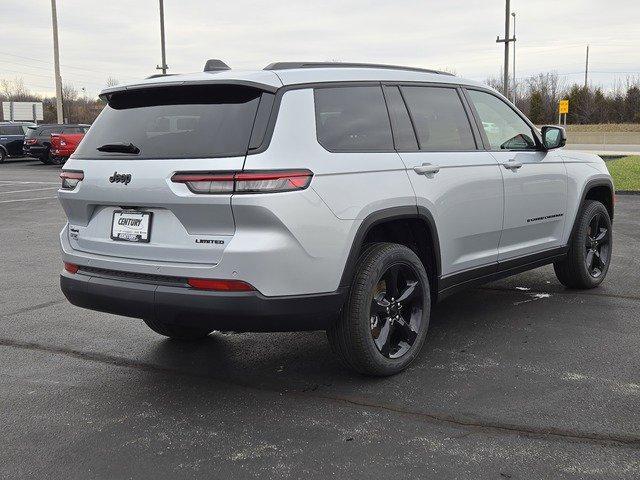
(352, 119)
(505, 129)
(439, 117)
(72, 130)
(11, 130)
(196, 121)
(403, 134)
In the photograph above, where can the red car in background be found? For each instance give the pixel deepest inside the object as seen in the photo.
(63, 145)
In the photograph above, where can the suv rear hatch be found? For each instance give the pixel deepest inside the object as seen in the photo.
(127, 205)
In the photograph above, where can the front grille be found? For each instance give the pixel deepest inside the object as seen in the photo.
(134, 277)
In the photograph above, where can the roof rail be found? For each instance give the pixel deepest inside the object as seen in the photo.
(158, 75)
(291, 65)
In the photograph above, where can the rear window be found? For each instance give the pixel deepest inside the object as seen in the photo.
(352, 119)
(11, 130)
(195, 121)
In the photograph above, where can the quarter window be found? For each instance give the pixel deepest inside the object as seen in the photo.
(352, 119)
(504, 128)
(439, 118)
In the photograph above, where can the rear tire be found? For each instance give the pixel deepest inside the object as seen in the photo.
(384, 322)
(46, 158)
(589, 256)
(178, 332)
(3, 155)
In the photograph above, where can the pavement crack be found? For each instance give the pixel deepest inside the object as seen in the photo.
(33, 307)
(473, 424)
(569, 292)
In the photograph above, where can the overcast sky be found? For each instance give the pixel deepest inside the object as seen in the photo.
(121, 38)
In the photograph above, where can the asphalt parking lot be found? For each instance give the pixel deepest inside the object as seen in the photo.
(519, 379)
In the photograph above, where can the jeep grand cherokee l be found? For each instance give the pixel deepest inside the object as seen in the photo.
(305, 196)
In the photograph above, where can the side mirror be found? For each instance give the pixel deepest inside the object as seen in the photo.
(553, 137)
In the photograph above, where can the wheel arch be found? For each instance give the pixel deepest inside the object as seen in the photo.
(373, 227)
(600, 189)
(4, 150)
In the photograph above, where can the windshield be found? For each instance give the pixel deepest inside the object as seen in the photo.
(194, 121)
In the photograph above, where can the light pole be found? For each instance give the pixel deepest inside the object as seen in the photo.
(164, 60)
(513, 14)
(56, 63)
(506, 40)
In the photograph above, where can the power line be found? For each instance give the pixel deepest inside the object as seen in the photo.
(62, 64)
(74, 75)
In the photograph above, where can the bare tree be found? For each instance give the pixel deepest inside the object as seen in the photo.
(112, 82)
(69, 92)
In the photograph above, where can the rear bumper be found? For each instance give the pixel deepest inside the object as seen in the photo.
(237, 311)
(35, 151)
(62, 152)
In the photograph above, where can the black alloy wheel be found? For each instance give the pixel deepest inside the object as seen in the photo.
(396, 310)
(597, 244)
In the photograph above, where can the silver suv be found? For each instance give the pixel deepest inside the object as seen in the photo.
(306, 196)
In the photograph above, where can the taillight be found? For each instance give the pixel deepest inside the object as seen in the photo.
(220, 285)
(71, 267)
(271, 181)
(70, 179)
(30, 141)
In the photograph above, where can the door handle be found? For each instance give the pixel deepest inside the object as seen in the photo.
(426, 169)
(512, 165)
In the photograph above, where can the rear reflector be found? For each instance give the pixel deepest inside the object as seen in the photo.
(245, 182)
(71, 178)
(220, 285)
(71, 267)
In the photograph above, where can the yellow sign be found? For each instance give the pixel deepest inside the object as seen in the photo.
(563, 106)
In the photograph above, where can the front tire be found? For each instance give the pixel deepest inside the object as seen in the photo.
(587, 261)
(178, 332)
(384, 323)
(3, 155)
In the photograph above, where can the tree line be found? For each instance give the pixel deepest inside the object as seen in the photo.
(537, 96)
(76, 105)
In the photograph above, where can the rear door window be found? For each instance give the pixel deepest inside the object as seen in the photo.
(439, 118)
(194, 121)
(352, 119)
(403, 134)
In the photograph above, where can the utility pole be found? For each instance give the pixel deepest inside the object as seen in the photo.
(586, 69)
(56, 61)
(515, 86)
(164, 66)
(506, 40)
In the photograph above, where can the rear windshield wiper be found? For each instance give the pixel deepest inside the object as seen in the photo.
(119, 148)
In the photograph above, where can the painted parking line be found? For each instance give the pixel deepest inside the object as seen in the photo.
(27, 183)
(29, 190)
(27, 199)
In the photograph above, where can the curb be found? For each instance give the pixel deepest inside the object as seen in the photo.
(627, 192)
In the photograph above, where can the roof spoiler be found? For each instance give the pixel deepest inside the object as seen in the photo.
(215, 65)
